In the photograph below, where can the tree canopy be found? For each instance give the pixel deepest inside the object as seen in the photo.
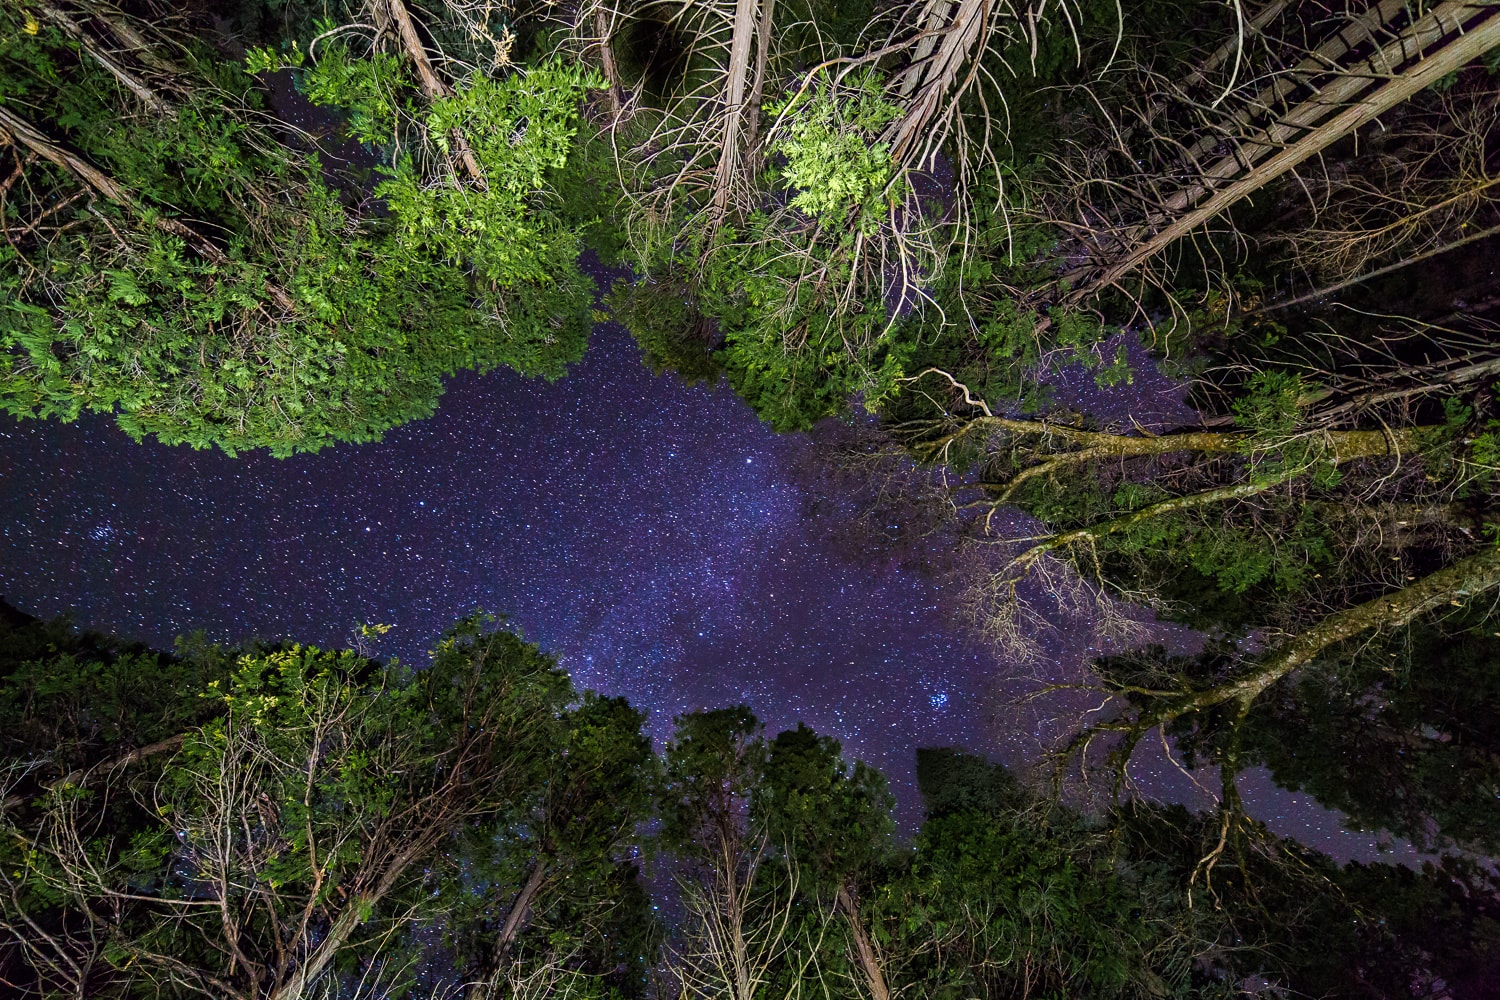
(180, 257)
(972, 233)
(288, 821)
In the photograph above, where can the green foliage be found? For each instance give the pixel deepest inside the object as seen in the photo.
(792, 350)
(593, 790)
(74, 699)
(308, 778)
(672, 335)
(519, 129)
(831, 816)
(1271, 408)
(1397, 734)
(237, 300)
(1022, 898)
(709, 768)
(838, 173)
(314, 795)
(588, 193)
(364, 89)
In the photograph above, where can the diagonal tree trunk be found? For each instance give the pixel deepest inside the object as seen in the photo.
(433, 86)
(952, 31)
(864, 948)
(515, 922)
(1468, 578)
(1465, 579)
(1446, 39)
(346, 923)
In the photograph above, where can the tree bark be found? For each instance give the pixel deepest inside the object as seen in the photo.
(1465, 579)
(114, 763)
(120, 26)
(607, 59)
(344, 926)
(864, 948)
(432, 85)
(727, 175)
(130, 81)
(947, 44)
(1318, 293)
(1419, 57)
(1346, 446)
(515, 922)
(757, 89)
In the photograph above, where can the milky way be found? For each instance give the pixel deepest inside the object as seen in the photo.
(650, 535)
(658, 539)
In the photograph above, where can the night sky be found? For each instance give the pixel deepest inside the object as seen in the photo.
(658, 539)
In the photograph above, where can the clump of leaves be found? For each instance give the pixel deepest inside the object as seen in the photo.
(236, 297)
(832, 161)
(1271, 407)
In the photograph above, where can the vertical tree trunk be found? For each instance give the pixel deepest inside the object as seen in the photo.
(607, 58)
(727, 175)
(757, 89)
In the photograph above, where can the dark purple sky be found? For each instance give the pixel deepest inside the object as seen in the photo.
(657, 538)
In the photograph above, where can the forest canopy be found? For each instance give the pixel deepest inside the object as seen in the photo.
(284, 821)
(903, 227)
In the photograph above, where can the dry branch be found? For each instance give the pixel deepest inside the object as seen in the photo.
(129, 80)
(106, 187)
(1446, 39)
(433, 86)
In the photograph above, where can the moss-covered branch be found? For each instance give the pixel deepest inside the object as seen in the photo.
(1464, 580)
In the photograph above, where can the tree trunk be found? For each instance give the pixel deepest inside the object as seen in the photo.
(947, 46)
(515, 922)
(1446, 39)
(114, 763)
(1319, 293)
(607, 59)
(133, 41)
(338, 935)
(353, 914)
(864, 948)
(1345, 446)
(727, 175)
(1465, 579)
(433, 86)
(757, 89)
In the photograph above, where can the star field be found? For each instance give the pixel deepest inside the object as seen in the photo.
(651, 536)
(658, 539)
